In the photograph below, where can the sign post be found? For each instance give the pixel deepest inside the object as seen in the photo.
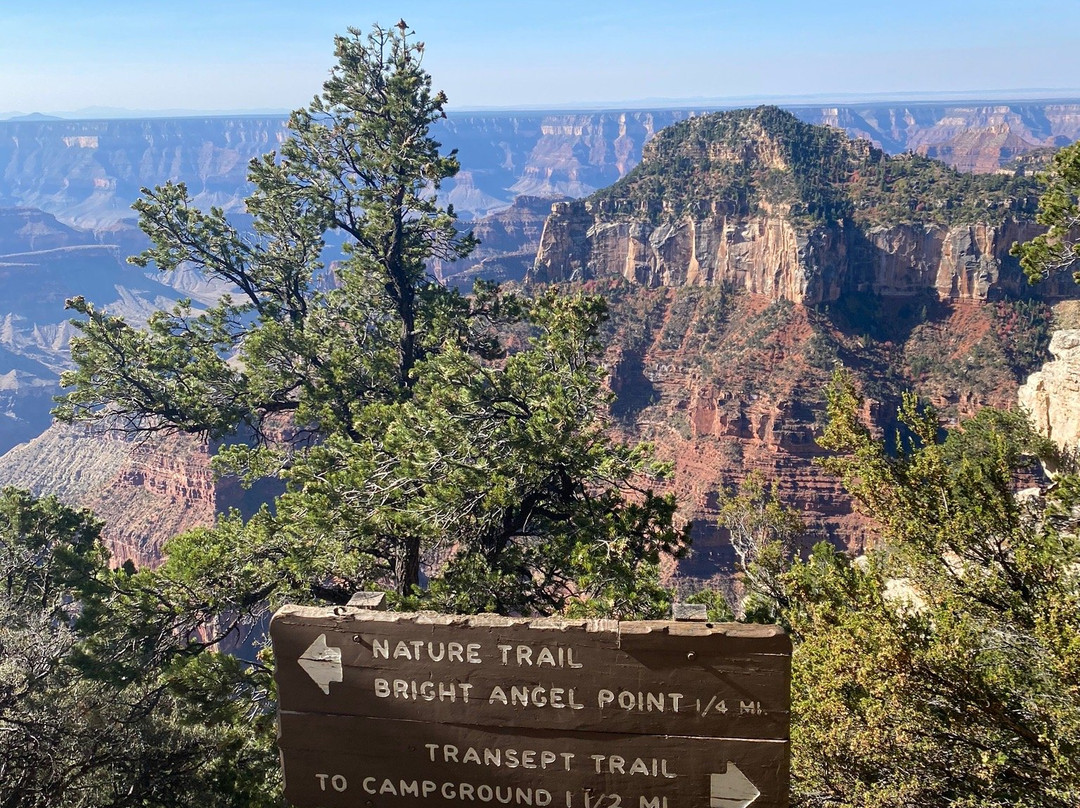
(386, 710)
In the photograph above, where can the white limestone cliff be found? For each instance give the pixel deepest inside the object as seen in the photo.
(1052, 395)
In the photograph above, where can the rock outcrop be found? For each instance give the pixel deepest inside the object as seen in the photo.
(1052, 394)
(30, 230)
(756, 200)
(748, 255)
(509, 240)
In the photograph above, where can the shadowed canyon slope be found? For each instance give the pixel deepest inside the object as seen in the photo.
(727, 383)
(43, 263)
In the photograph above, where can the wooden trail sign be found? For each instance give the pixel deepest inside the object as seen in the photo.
(424, 710)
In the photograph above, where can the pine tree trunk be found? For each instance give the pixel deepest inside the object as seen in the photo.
(409, 573)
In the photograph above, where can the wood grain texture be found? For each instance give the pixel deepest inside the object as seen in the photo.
(392, 758)
(391, 692)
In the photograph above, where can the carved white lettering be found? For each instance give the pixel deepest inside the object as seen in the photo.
(504, 795)
(496, 757)
(639, 701)
(472, 756)
(617, 764)
(411, 690)
(546, 656)
(419, 650)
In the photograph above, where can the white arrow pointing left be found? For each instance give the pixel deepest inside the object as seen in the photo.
(322, 663)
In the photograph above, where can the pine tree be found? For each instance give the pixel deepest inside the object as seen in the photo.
(389, 387)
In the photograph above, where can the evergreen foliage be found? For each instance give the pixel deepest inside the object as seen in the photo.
(420, 420)
(1058, 249)
(360, 160)
(763, 532)
(79, 736)
(408, 422)
(942, 667)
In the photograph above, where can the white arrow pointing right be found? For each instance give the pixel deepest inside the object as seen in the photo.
(322, 663)
(731, 789)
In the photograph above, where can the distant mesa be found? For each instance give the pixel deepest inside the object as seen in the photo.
(35, 116)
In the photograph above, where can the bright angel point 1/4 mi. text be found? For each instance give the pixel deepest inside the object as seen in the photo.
(530, 696)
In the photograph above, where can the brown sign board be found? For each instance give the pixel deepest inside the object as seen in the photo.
(396, 710)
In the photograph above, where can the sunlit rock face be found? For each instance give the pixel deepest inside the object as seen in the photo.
(1052, 394)
(145, 489)
(759, 201)
(770, 255)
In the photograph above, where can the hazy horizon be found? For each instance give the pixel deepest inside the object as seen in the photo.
(643, 104)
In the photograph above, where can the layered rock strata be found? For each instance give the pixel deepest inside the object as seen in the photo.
(145, 489)
(771, 256)
(756, 200)
(89, 172)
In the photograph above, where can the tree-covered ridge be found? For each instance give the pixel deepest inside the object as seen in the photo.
(910, 188)
(749, 161)
(737, 162)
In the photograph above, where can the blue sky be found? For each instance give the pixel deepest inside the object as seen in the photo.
(58, 55)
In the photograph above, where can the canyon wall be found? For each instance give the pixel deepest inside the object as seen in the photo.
(771, 256)
(145, 489)
(969, 136)
(723, 384)
(89, 172)
(43, 263)
(749, 256)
